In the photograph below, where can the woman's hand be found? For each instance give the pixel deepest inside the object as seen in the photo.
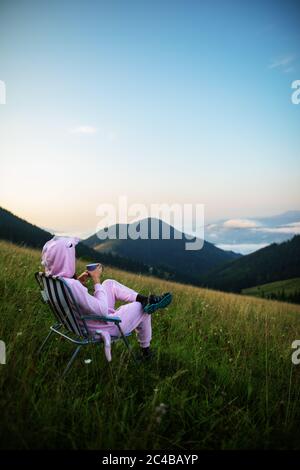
(96, 274)
(83, 277)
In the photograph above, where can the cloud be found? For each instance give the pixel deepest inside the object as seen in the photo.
(292, 229)
(240, 223)
(282, 62)
(83, 130)
(293, 224)
(289, 70)
(243, 248)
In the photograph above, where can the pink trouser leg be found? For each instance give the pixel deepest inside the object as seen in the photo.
(134, 318)
(132, 314)
(117, 291)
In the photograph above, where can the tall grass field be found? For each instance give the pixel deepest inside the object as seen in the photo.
(222, 376)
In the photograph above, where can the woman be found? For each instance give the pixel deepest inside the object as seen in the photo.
(58, 258)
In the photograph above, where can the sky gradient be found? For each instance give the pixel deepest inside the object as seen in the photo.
(164, 102)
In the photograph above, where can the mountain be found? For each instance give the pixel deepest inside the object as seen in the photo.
(163, 258)
(275, 262)
(166, 254)
(17, 230)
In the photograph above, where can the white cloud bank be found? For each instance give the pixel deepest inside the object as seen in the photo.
(293, 229)
(240, 223)
(242, 248)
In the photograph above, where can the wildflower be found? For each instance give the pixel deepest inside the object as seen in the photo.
(19, 333)
(87, 361)
(161, 409)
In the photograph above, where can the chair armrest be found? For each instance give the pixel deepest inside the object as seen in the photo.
(102, 318)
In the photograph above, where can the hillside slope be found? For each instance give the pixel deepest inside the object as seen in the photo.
(275, 262)
(17, 230)
(222, 377)
(286, 291)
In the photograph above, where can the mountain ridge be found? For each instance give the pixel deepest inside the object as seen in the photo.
(170, 252)
(275, 262)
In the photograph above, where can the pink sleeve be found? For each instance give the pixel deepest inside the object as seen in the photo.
(90, 304)
(101, 298)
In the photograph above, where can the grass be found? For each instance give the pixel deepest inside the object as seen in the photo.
(288, 289)
(222, 377)
(288, 286)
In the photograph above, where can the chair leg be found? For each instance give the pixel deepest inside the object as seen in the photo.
(71, 360)
(44, 342)
(127, 343)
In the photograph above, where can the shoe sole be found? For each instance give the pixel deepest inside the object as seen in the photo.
(162, 304)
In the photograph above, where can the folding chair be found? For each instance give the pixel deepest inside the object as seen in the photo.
(70, 324)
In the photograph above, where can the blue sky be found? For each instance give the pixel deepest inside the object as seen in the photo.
(161, 101)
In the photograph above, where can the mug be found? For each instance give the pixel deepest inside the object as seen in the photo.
(92, 267)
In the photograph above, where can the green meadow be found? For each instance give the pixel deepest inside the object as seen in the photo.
(222, 376)
(289, 289)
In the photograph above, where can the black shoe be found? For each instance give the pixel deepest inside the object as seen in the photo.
(155, 302)
(146, 354)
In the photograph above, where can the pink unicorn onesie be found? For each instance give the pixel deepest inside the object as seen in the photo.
(58, 259)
